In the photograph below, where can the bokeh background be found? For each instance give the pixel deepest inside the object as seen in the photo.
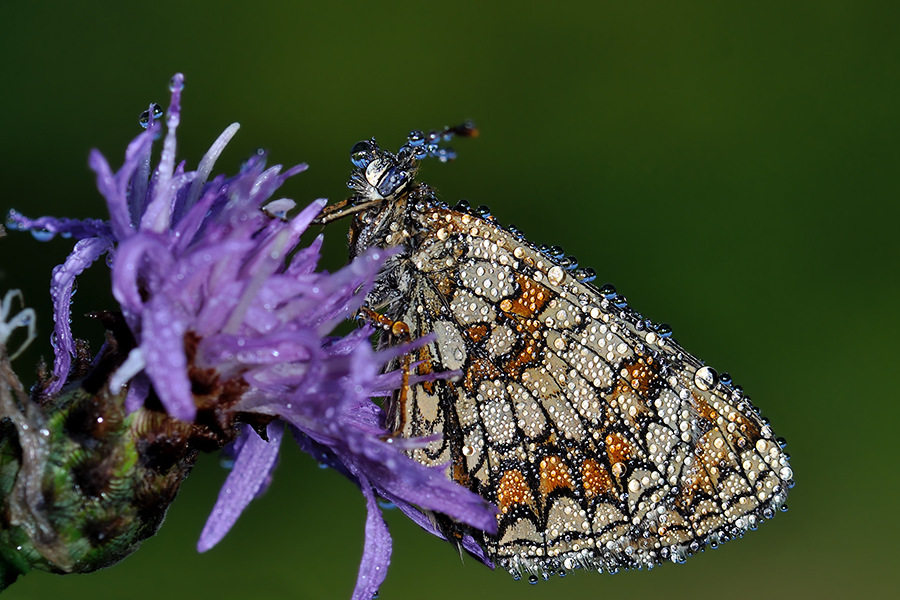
(730, 167)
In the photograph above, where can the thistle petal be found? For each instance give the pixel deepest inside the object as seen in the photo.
(377, 551)
(62, 287)
(252, 468)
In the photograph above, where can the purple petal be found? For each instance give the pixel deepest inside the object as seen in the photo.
(422, 520)
(138, 390)
(296, 169)
(62, 285)
(163, 347)
(117, 205)
(45, 228)
(441, 495)
(377, 551)
(252, 468)
(196, 218)
(336, 297)
(141, 151)
(423, 486)
(322, 454)
(265, 185)
(132, 178)
(129, 261)
(305, 261)
(295, 229)
(476, 550)
(282, 347)
(157, 216)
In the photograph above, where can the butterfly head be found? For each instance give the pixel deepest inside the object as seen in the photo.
(382, 175)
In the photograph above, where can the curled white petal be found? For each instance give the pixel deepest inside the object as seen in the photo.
(133, 365)
(9, 322)
(279, 208)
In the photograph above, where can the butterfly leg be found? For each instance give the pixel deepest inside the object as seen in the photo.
(342, 209)
(400, 331)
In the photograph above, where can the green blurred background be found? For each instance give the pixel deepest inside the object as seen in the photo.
(731, 168)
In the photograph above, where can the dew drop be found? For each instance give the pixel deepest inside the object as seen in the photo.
(608, 290)
(176, 84)
(415, 138)
(568, 262)
(585, 274)
(362, 153)
(155, 112)
(706, 378)
(555, 275)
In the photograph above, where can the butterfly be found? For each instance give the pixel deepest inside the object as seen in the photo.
(602, 442)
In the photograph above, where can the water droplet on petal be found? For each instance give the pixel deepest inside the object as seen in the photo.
(154, 113)
(176, 84)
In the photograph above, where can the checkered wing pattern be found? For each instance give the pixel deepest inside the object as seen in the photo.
(602, 442)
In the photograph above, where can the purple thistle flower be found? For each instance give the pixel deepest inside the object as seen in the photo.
(230, 334)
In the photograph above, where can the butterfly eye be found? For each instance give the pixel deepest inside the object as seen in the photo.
(392, 181)
(362, 153)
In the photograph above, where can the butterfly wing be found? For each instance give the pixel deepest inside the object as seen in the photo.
(601, 441)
